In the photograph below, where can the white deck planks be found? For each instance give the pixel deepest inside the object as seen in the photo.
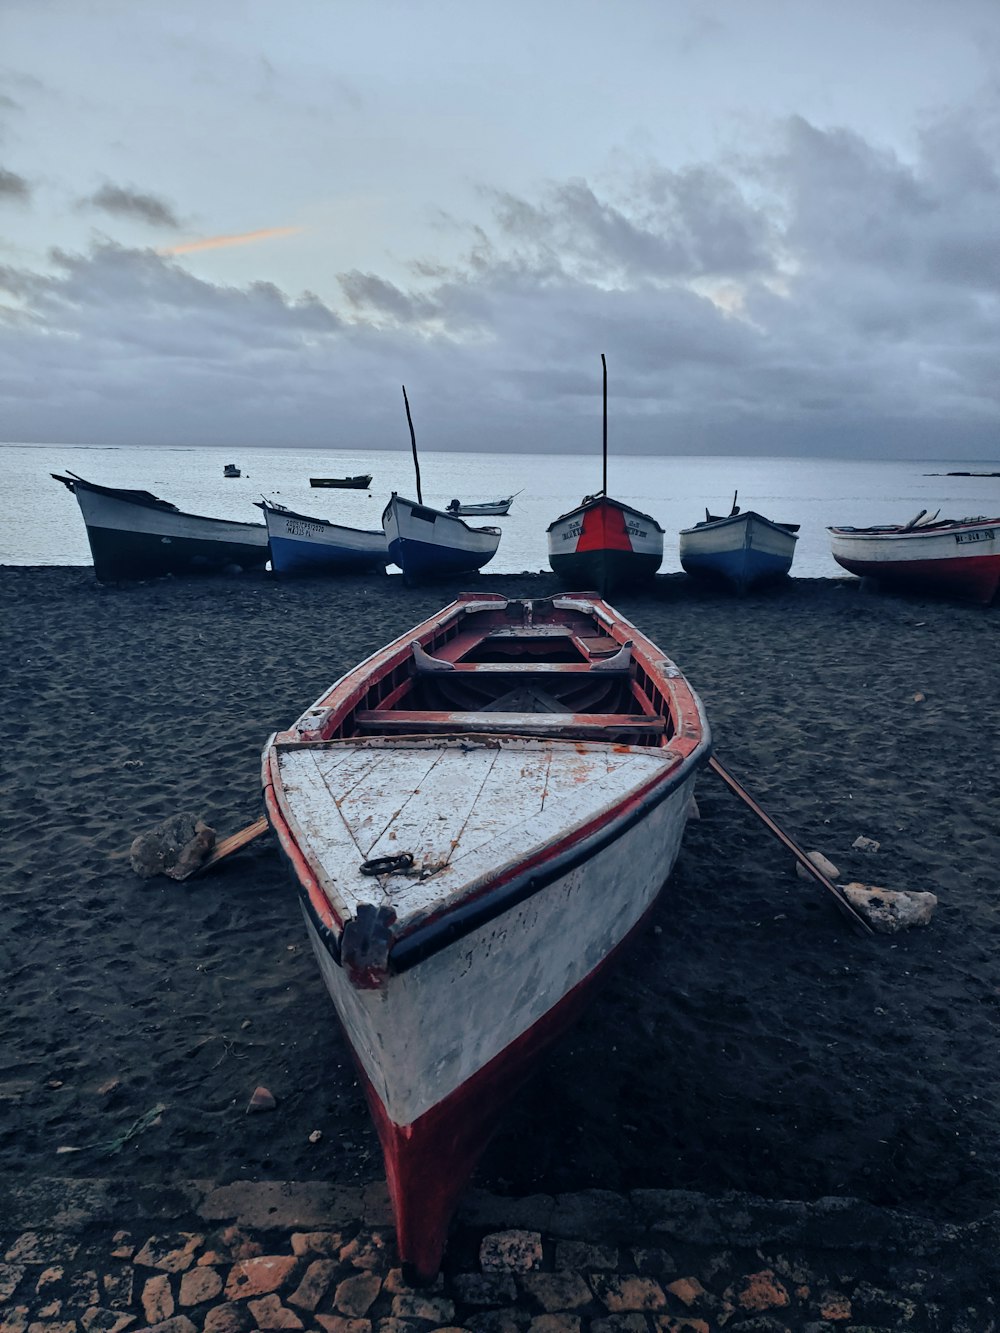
(462, 811)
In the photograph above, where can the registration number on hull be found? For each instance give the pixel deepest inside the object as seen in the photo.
(984, 535)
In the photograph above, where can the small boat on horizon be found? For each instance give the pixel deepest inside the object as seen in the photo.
(482, 507)
(135, 535)
(231, 470)
(928, 554)
(742, 549)
(359, 483)
(301, 544)
(604, 543)
(480, 817)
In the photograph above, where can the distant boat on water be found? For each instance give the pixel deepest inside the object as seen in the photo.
(482, 507)
(743, 549)
(960, 556)
(301, 544)
(135, 535)
(359, 483)
(604, 543)
(230, 470)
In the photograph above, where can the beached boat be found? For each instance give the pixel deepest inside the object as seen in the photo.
(430, 543)
(479, 817)
(301, 544)
(741, 550)
(483, 508)
(135, 535)
(604, 543)
(230, 470)
(359, 483)
(960, 556)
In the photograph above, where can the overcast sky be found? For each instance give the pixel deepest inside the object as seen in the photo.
(250, 223)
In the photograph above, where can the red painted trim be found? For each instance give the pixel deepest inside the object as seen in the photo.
(974, 575)
(429, 1163)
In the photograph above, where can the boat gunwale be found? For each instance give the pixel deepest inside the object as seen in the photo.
(443, 513)
(282, 511)
(745, 515)
(588, 503)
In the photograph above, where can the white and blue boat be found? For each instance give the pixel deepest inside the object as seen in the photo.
(431, 544)
(743, 550)
(301, 544)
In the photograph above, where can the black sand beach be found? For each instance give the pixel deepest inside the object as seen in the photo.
(753, 1042)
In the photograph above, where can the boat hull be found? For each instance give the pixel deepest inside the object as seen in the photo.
(359, 483)
(429, 544)
(962, 559)
(605, 545)
(303, 545)
(133, 540)
(741, 551)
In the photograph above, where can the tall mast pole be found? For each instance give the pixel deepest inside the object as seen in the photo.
(604, 366)
(413, 446)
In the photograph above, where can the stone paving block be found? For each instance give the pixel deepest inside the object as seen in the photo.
(10, 1276)
(620, 1323)
(370, 1250)
(511, 1251)
(395, 1283)
(581, 1254)
(759, 1291)
(335, 1323)
(257, 1277)
(15, 1319)
(117, 1288)
(555, 1323)
(666, 1323)
(324, 1244)
(179, 1324)
(199, 1285)
(228, 1318)
(485, 1288)
(557, 1291)
(622, 1292)
(314, 1284)
(157, 1299)
(269, 1312)
(509, 1320)
(355, 1296)
(170, 1254)
(99, 1319)
(41, 1247)
(415, 1305)
(686, 1289)
(54, 1326)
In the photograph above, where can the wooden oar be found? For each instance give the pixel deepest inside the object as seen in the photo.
(842, 901)
(229, 845)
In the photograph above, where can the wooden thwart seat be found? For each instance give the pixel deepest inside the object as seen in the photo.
(541, 724)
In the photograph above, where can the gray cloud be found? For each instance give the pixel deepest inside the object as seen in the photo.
(13, 186)
(825, 295)
(125, 202)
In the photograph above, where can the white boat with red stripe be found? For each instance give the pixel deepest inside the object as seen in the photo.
(479, 818)
(959, 556)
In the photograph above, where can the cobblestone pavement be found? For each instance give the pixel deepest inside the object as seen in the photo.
(101, 1257)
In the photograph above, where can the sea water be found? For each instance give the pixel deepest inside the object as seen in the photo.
(42, 524)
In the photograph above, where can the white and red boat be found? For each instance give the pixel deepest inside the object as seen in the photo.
(479, 817)
(960, 556)
(604, 543)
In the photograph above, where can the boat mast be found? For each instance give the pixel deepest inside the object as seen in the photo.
(604, 367)
(413, 446)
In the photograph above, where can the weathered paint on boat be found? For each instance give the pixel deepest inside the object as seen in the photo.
(134, 535)
(304, 545)
(429, 543)
(537, 841)
(604, 544)
(742, 550)
(959, 556)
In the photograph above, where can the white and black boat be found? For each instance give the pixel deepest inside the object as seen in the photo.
(135, 535)
(301, 544)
